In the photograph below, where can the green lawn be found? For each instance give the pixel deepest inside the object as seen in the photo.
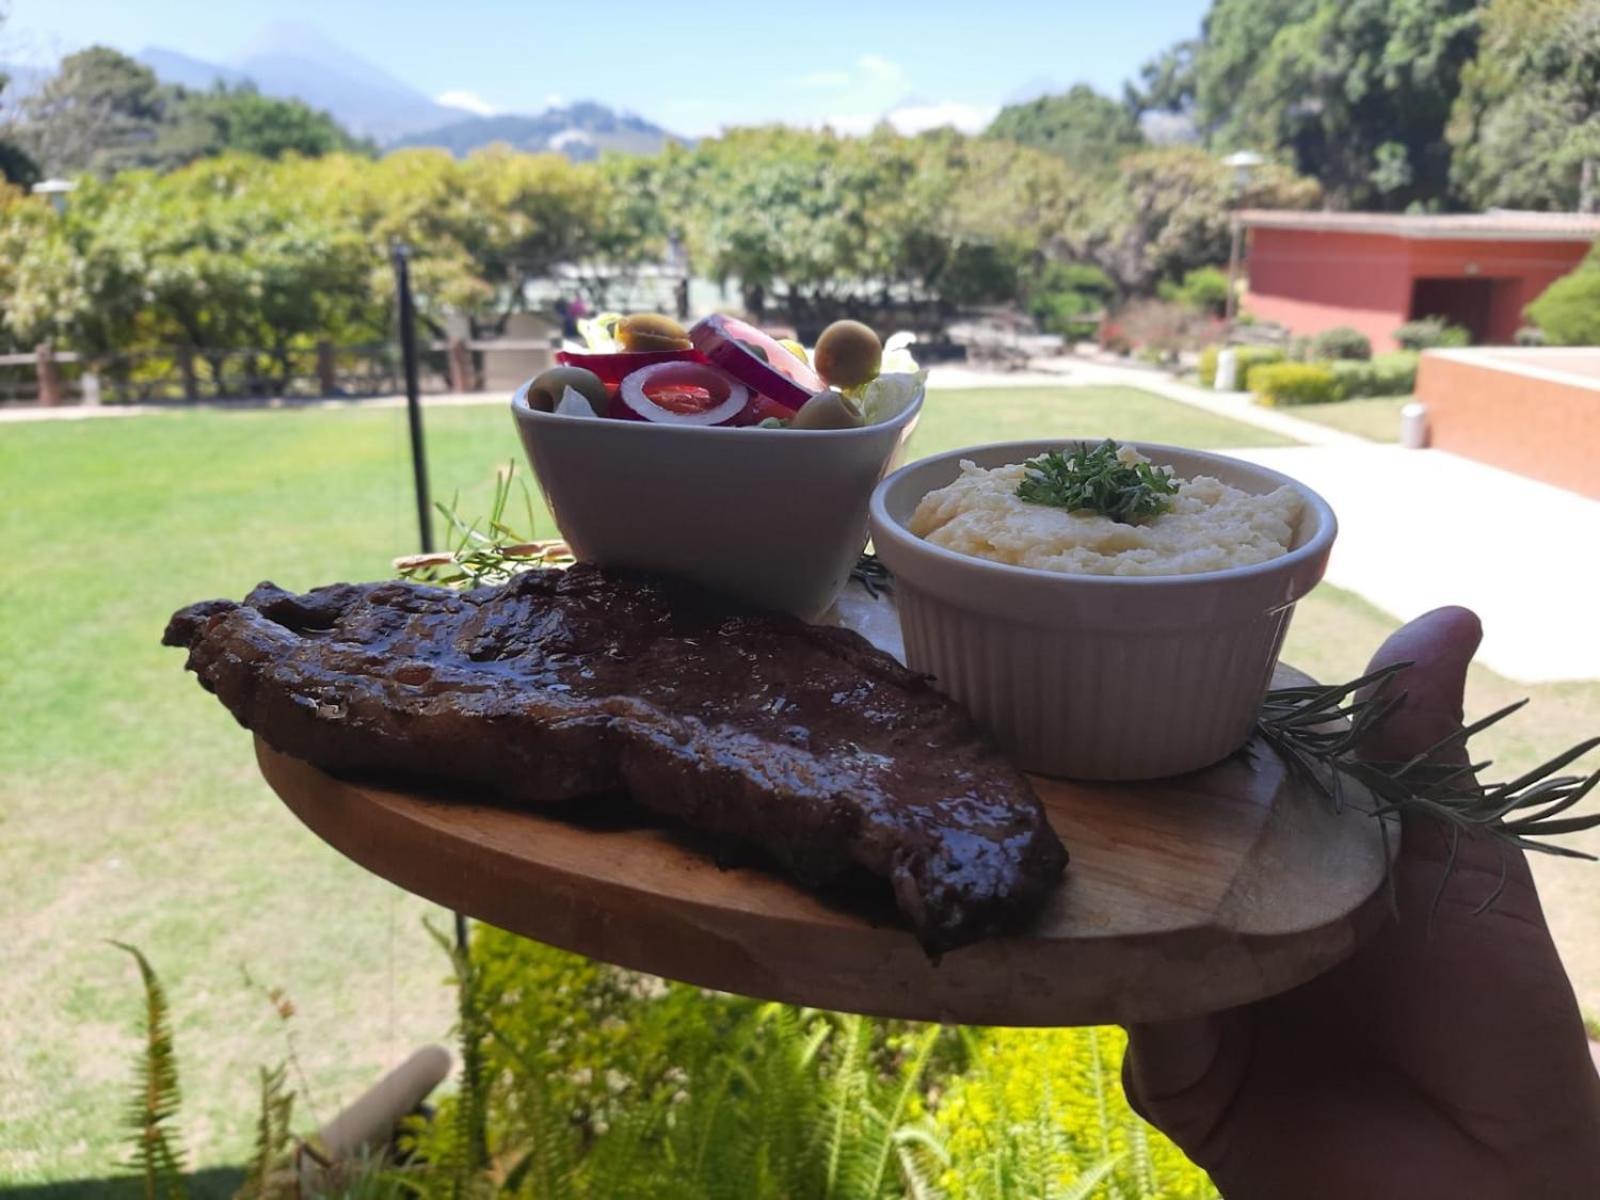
(1376, 418)
(129, 802)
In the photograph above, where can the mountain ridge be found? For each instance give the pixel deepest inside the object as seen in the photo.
(295, 61)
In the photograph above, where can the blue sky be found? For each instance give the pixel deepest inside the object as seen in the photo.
(693, 66)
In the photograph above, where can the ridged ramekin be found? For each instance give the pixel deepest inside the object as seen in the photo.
(1098, 676)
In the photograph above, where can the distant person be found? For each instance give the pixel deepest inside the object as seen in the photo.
(569, 321)
(1445, 1059)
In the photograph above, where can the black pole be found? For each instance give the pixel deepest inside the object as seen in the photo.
(400, 255)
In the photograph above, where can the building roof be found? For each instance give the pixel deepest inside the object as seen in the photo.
(1496, 224)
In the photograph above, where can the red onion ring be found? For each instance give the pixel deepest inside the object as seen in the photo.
(733, 394)
(727, 342)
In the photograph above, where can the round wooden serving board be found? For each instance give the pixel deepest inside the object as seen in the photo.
(1183, 895)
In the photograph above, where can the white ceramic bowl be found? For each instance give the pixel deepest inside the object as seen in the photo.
(774, 517)
(1096, 676)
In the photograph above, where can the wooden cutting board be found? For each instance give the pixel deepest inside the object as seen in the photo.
(1183, 896)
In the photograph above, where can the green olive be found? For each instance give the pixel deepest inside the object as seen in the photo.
(651, 331)
(848, 354)
(545, 392)
(828, 410)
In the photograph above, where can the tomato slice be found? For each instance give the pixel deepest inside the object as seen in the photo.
(682, 398)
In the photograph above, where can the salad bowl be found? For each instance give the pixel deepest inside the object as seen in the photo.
(775, 517)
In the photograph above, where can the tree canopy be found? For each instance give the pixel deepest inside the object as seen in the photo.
(1087, 129)
(103, 112)
(1400, 104)
(1525, 130)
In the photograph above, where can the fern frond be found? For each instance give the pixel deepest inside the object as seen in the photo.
(271, 1169)
(155, 1150)
(1085, 1184)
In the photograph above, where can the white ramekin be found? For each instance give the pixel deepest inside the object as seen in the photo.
(774, 517)
(1096, 676)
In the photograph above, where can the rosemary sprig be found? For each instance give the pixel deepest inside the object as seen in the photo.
(489, 555)
(1316, 730)
(1095, 480)
(871, 574)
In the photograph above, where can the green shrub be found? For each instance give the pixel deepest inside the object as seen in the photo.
(1341, 342)
(1248, 357)
(1039, 1112)
(1204, 290)
(1568, 311)
(1065, 293)
(1392, 374)
(1433, 333)
(1295, 383)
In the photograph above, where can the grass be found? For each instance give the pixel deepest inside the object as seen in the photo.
(131, 808)
(1376, 418)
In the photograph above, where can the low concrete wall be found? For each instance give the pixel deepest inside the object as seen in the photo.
(1532, 411)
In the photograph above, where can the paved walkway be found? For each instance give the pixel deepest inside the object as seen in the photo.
(1423, 528)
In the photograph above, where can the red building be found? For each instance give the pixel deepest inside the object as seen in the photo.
(1312, 271)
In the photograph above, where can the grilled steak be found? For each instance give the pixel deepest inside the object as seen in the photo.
(802, 741)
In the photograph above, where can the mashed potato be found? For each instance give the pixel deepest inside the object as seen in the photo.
(1210, 527)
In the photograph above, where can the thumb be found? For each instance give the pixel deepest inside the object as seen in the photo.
(1439, 645)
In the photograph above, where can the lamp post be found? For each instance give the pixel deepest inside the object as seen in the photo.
(57, 190)
(1243, 163)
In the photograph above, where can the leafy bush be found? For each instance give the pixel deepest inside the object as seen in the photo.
(1295, 383)
(582, 1081)
(1393, 374)
(1041, 1113)
(1341, 342)
(1065, 294)
(1203, 290)
(1528, 335)
(1247, 358)
(1432, 333)
(1164, 326)
(1568, 311)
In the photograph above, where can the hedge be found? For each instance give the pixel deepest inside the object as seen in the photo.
(1248, 357)
(1295, 383)
(1392, 374)
(1341, 342)
(1431, 333)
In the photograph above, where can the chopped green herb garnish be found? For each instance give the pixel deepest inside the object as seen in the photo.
(1096, 480)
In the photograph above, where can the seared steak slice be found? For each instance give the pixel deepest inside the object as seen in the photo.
(800, 740)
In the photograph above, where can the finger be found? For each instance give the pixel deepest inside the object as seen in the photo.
(1181, 1075)
(1439, 645)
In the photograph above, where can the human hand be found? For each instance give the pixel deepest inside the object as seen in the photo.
(1446, 1058)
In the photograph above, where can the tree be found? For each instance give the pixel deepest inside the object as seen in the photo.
(1526, 127)
(1167, 213)
(1167, 81)
(199, 124)
(1355, 93)
(1087, 129)
(1568, 311)
(98, 113)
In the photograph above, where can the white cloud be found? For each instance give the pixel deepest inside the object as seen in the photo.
(469, 101)
(911, 119)
(919, 118)
(880, 68)
(568, 137)
(555, 100)
(824, 79)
